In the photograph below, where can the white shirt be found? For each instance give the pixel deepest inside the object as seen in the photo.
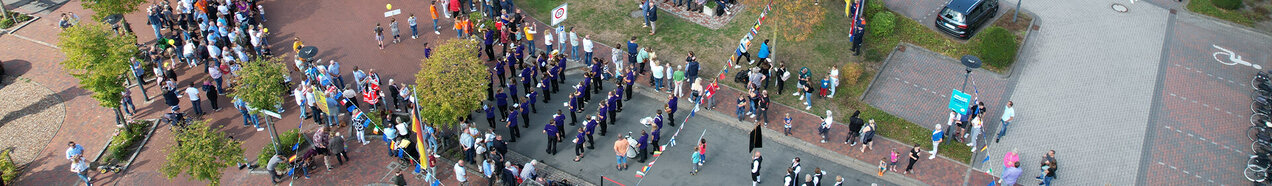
(829, 120)
(193, 93)
(547, 39)
(1009, 113)
(460, 174)
(574, 39)
(587, 45)
(657, 71)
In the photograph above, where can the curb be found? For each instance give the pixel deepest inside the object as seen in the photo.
(153, 124)
(17, 27)
(880, 71)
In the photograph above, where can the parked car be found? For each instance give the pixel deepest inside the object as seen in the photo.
(961, 18)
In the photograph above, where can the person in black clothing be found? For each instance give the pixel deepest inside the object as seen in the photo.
(854, 128)
(210, 89)
(858, 37)
(781, 74)
(393, 95)
(398, 179)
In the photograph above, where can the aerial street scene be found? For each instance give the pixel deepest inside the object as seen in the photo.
(635, 92)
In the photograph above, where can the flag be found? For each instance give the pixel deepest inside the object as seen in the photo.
(419, 137)
(757, 138)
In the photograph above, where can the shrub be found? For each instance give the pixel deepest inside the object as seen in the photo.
(8, 170)
(998, 47)
(287, 140)
(882, 24)
(850, 73)
(121, 144)
(17, 18)
(1227, 4)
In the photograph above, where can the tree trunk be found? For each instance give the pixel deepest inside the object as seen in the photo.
(5, 11)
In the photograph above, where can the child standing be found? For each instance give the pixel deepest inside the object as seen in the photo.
(787, 128)
(892, 161)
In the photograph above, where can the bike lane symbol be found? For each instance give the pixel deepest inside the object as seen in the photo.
(1232, 58)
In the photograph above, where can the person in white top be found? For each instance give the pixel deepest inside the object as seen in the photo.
(461, 175)
(977, 123)
(574, 45)
(194, 99)
(834, 80)
(1009, 114)
(188, 51)
(299, 95)
(657, 71)
(616, 56)
(79, 166)
(587, 49)
(547, 41)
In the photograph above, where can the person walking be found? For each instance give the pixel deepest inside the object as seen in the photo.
(79, 166)
(763, 54)
(696, 161)
(937, 137)
(393, 28)
(379, 35)
(1009, 115)
(914, 158)
(755, 168)
(411, 22)
(620, 152)
(126, 102)
(867, 136)
(73, 150)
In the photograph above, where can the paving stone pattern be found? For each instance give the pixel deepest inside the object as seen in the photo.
(32, 115)
(1198, 134)
(916, 85)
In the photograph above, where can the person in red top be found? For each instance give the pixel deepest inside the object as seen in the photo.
(454, 8)
(702, 149)
(711, 90)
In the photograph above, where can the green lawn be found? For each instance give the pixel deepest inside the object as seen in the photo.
(609, 22)
(1246, 16)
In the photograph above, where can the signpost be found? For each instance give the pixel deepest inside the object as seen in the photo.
(559, 13)
(959, 101)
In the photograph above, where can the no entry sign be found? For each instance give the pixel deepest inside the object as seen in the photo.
(559, 13)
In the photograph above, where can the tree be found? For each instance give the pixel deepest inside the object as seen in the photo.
(201, 152)
(98, 58)
(790, 20)
(451, 84)
(260, 84)
(102, 8)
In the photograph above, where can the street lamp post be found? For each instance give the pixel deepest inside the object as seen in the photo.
(970, 62)
(1013, 16)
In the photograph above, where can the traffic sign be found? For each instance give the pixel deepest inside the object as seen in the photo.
(559, 13)
(959, 101)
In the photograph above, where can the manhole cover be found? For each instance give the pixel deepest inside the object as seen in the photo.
(1119, 7)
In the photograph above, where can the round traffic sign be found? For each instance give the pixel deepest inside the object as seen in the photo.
(558, 13)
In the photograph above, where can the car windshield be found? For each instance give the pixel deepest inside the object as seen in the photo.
(952, 16)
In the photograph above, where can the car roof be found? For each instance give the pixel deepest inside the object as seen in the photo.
(963, 6)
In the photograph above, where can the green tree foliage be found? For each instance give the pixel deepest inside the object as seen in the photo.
(450, 84)
(882, 24)
(202, 152)
(99, 59)
(260, 83)
(286, 140)
(108, 7)
(998, 47)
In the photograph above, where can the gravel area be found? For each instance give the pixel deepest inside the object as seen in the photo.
(32, 115)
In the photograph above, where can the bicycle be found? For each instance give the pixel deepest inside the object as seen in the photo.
(1257, 167)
